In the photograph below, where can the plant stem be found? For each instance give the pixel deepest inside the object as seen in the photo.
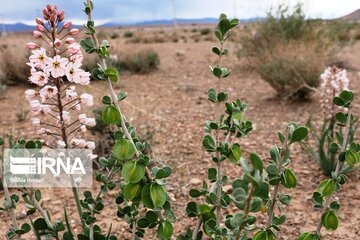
(7, 196)
(133, 231)
(197, 228)
(276, 188)
(246, 211)
(218, 156)
(337, 169)
(42, 211)
(114, 98)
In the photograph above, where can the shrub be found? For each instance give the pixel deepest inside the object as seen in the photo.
(12, 71)
(286, 52)
(205, 31)
(141, 62)
(128, 34)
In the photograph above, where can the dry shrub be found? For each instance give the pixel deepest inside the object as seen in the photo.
(13, 66)
(287, 52)
(143, 62)
(293, 69)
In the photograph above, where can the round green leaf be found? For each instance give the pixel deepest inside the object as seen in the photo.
(327, 187)
(330, 220)
(124, 150)
(299, 134)
(111, 115)
(146, 198)
(256, 162)
(158, 195)
(165, 230)
(132, 190)
(133, 172)
(235, 154)
(288, 179)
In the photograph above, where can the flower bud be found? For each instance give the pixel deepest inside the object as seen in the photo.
(70, 40)
(32, 46)
(52, 18)
(46, 14)
(60, 15)
(40, 28)
(67, 24)
(48, 7)
(39, 21)
(61, 144)
(57, 43)
(74, 31)
(37, 34)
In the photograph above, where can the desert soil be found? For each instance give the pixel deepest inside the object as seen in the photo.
(171, 103)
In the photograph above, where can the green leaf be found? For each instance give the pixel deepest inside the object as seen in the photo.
(106, 100)
(111, 115)
(256, 162)
(341, 117)
(235, 153)
(347, 97)
(272, 169)
(327, 187)
(124, 149)
(352, 157)
(112, 74)
(132, 190)
(121, 96)
(274, 153)
(330, 220)
(133, 172)
(216, 50)
(288, 179)
(256, 204)
(299, 134)
(88, 45)
(158, 195)
(212, 95)
(338, 101)
(222, 96)
(1, 141)
(217, 72)
(165, 230)
(308, 236)
(40, 224)
(145, 196)
(38, 195)
(264, 235)
(209, 143)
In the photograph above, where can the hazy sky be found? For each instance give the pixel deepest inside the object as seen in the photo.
(140, 10)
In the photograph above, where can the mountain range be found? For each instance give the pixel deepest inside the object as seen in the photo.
(18, 27)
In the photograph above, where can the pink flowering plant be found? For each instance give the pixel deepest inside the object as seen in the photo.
(333, 81)
(60, 120)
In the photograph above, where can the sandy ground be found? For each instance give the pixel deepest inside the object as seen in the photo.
(172, 104)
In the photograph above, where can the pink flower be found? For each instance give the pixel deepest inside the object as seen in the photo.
(56, 66)
(65, 117)
(82, 118)
(82, 77)
(37, 34)
(67, 24)
(70, 40)
(87, 99)
(40, 28)
(90, 122)
(35, 105)
(74, 31)
(70, 95)
(39, 78)
(74, 48)
(41, 131)
(83, 128)
(38, 58)
(90, 145)
(32, 46)
(48, 92)
(57, 43)
(30, 94)
(60, 144)
(36, 121)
